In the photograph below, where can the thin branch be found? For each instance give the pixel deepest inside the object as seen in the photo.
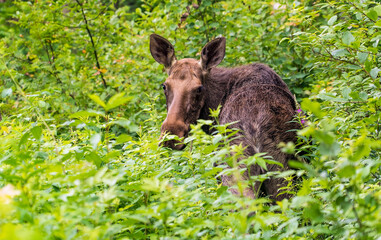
(358, 9)
(72, 27)
(333, 58)
(51, 50)
(51, 59)
(92, 43)
(100, 13)
(363, 67)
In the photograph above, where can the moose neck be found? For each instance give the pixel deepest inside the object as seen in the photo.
(216, 83)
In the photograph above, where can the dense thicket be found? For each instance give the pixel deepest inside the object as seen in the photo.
(81, 108)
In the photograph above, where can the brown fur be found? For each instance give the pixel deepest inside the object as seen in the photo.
(254, 95)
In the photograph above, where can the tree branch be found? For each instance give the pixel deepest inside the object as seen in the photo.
(358, 9)
(51, 60)
(92, 43)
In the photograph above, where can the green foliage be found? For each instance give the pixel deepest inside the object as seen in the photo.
(81, 110)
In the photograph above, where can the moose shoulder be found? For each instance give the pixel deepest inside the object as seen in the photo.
(253, 95)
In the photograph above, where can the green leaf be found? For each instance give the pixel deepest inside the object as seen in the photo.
(97, 100)
(221, 190)
(346, 170)
(123, 138)
(354, 95)
(296, 164)
(95, 139)
(313, 107)
(36, 132)
(23, 139)
(329, 149)
(372, 14)
(6, 92)
(348, 38)
(340, 52)
(93, 157)
(363, 96)
(86, 114)
(126, 124)
(261, 162)
(173, 27)
(313, 212)
(374, 72)
(332, 20)
(368, 65)
(116, 100)
(362, 57)
(378, 10)
(216, 139)
(346, 91)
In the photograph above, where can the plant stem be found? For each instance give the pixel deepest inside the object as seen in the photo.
(92, 43)
(21, 91)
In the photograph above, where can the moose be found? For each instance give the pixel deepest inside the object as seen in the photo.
(253, 96)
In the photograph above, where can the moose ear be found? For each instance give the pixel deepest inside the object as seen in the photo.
(162, 51)
(213, 53)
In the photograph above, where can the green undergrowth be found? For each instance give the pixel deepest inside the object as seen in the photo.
(81, 109)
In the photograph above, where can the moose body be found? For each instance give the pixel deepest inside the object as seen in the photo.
(253, 96)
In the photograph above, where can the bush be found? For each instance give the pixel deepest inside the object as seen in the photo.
(81, 109)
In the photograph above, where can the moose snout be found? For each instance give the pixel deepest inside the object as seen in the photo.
(179, 129)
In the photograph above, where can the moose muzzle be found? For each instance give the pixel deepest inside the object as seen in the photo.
(177, 128)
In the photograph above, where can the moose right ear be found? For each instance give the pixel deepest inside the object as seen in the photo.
(162, 51)
(213, 53)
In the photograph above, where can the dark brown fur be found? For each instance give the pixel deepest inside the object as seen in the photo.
(254, 95)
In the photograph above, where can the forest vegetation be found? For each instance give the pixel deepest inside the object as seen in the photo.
(81, 108)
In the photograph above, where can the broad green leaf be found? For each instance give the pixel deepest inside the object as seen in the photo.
(6, 92)
(126, 124)
(216, 139)
(313, 107)
(86, 114)
(346, 91)
(95, 139)
(117, 100)
(375, 44)
(340, 52)
(313, 212)
(362, 57)
(261, 162)
(36, 132)
(346, 170)
(354, 95)
(363, 96)
(361, 148)
(368, 65)
(332, 20)
(378, 10)
(97, 100)
(372, 14)
(94, 157)
(123, 138)
(24, 139)
(296, 164)
(348, 38)
(374, 72)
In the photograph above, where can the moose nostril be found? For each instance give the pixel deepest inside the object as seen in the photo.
(179, 129)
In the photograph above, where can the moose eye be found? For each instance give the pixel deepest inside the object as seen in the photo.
(199, 89)
(164, 87)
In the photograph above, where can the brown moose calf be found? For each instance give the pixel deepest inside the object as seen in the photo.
(254, 95)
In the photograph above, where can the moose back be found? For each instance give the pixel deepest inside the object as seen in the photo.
(253, 95)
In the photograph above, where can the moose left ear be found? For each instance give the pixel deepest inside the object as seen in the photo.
(213, 53)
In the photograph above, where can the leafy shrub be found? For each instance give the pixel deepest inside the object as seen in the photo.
(81, 110)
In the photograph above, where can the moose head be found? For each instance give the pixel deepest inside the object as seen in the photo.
(184, 88)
